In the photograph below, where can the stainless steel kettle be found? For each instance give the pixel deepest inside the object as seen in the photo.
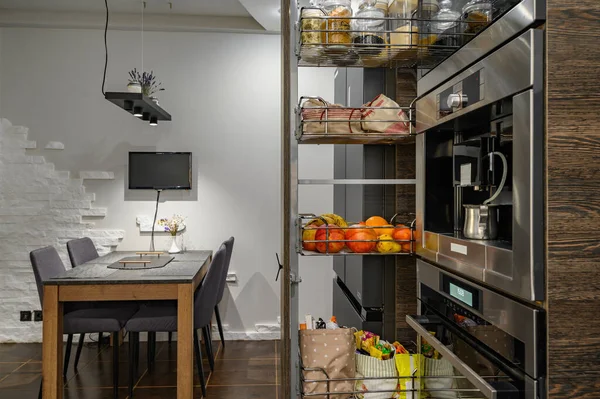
(481, 221)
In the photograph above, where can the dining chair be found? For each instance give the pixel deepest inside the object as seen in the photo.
(222, 284)
(46, 264)
(83, 250)
(153, 319)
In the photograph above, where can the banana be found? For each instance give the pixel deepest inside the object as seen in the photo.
(331, 218)
(337, 219)
(319, 221)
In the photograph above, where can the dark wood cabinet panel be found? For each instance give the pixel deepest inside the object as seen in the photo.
(573, 197)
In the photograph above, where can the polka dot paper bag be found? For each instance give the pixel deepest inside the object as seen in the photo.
(332, 351)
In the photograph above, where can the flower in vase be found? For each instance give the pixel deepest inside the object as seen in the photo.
(172, 225)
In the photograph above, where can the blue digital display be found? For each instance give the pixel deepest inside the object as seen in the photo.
(461, 294)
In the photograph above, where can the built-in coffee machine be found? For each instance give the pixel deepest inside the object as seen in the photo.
(480, 158)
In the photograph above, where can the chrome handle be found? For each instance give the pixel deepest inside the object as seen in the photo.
(465, 370)
(457, 100)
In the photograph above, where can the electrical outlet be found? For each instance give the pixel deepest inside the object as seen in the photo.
(37, 315)
(25, 315)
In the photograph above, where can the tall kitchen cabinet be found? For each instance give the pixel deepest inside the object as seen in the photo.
(374, 174)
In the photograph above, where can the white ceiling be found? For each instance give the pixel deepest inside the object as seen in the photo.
(225, 8)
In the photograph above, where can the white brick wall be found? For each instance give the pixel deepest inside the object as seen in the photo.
(39, 206)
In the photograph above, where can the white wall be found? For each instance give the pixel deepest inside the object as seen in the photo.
(223, 91)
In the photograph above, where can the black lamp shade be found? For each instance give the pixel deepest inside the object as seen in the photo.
(138, 111)
(153, 121)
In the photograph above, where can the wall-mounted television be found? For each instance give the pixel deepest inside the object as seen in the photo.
(160, 170)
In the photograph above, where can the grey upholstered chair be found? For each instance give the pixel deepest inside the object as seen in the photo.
(47, 264)
(83, 250)
(223, 283)
(153, 319)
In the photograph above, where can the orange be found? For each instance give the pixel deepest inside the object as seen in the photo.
(383, 225)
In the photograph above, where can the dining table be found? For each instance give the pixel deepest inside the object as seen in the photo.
(98, 280)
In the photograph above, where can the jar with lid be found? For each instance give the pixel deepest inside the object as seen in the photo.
(336, 30)
(404, 35)
(429, 8)
(476, 14)
(312, 19)
(369, 28)
(383, 6)
(445, 25)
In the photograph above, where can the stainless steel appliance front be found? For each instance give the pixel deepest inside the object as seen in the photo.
(478, 98)
(497, 344)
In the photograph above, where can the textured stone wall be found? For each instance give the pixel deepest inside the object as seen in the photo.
(39, 206)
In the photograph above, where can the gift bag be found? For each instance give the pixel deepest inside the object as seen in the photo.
(368, 366)
(407, 366)
(438, 368)
(334, 120)
(332, 351)
(384, 120)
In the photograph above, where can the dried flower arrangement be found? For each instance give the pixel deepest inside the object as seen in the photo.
(172, 225)
(150, 85)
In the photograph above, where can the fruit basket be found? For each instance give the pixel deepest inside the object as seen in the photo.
(330, 235)
(335, 41)
(380, 121)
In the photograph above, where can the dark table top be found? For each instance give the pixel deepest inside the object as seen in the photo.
(180, 270)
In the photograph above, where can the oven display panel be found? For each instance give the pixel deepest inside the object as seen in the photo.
(461, 294)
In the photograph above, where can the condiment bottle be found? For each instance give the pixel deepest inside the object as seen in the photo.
(336, 31)
(404, 26)
(476, 15)
(370, 31)
(445, 25)
(429, 8)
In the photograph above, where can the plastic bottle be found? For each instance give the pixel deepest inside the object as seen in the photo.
(332, 324)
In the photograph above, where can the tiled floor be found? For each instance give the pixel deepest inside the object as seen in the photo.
(243, 370)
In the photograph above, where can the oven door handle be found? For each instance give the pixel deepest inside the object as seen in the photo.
(465, 370)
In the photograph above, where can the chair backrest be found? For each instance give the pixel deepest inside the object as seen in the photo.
(206, 296)
(81, 250)
(46, 264)
(229, 246)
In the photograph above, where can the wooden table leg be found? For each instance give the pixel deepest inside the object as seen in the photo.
(185, 336)
(52, 346)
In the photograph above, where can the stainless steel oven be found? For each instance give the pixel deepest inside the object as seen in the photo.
(480, 144)
(477, 343)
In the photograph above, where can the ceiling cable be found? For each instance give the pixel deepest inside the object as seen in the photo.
(105, 47)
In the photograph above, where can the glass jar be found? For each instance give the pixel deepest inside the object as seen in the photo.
(429, 8)
(312, 21)
(369, 35)
(336, 31)
(445, 25)
(383, 6)
(403, 10)
(476, 14)
(404, 35)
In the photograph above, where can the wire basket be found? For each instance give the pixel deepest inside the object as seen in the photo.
(319, 237)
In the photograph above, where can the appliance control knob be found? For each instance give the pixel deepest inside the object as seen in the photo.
(457, 100)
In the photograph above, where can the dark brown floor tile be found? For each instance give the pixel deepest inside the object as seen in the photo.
(18, 394)
(247, 350)
(243, 372)
(31, 367)
(24, 381)
(164, 374)
(93, 393)
(20, 352)
(169, 352)
(245, 392)
(6, 368)
(100, 375)
(238, 392)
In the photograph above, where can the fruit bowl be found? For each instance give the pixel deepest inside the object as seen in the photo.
(330, 234)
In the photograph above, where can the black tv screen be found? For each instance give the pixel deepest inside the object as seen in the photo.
(160, 170)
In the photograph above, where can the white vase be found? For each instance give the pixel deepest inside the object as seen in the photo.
(134, 87)
(174, 248)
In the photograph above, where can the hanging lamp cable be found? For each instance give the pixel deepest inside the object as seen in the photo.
(105, 47)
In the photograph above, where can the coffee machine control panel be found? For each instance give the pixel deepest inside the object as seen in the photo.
(467, 92)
